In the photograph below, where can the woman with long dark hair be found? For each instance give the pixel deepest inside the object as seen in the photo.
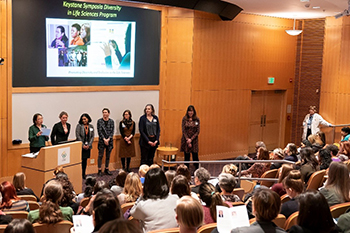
(190, 131)
(150, 132)
(85, 133)
(126, 146)
(155, 208)
(309, 163)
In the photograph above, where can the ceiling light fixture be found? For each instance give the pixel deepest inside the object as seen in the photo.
(294, 32)
(346, 12)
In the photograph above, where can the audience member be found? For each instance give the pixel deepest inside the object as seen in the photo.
(189, 214)
(19, 226)
(316, 142)
(19, 181)
(324, 159)
(321, 137)
(290, 152)
(258, 145)
(309, 163)
(343, 222)
(132, 189)
(314, 215)
(183, 170)
(180, 186)
(344, 151)
(170, 174)
(211, 199)
(68, 194)
(258, 168)
(337, 186)
(50, 211)
(345, 134)
(57, 172)
(277, 155)
(143, 169)
(105, 208)
(201, 176)
(119, 183)
(4, 219)
(227, 184)
(294, 186)
(120, 226)
(154, 166)
(333, 149)
(10, 201)
(90, 182)
(155, 207)
(266, 206)
(283, 172)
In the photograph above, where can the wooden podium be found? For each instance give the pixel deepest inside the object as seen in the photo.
(40, 169)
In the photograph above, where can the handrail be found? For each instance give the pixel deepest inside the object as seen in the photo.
(233, 161)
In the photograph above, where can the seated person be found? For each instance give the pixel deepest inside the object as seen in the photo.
(258, 168)
(294, 186)
(183, 170)
(290, 152)
(324, 159)
(119, 183)
(120, 226)
(277, 155)
(314, 215)
(170, 174)
(180, 187)
(89, 187)
(132, 189)
(155, 207)
(10, 200)
(189, 214)
(143, 169)
(50, 211)
(309, 164)
(227, 184)
(333, 149)
(284, 171)
(4, 219)
(345, 134)
(266, 206)
(68, 194)
(201, 176)
(19, 226)
(19, 181)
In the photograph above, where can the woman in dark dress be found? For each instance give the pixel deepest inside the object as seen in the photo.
(150, 132)
(60, 130)
(85, 133)
(127, 147)
(190, 131)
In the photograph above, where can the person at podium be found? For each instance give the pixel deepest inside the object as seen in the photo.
(60, 130)
(85, 133)
(35, 137)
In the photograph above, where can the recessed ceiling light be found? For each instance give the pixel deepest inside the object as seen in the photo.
(316, 7)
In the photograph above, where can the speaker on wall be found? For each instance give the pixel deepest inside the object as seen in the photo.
(226, 11)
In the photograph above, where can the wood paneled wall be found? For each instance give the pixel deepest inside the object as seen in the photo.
(335, 92)
(206, 62)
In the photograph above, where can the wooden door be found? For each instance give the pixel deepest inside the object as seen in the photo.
(266, 119)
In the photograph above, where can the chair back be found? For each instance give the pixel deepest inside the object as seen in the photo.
(18, 214)
(207, 228)
(2, 228)
(269, 174)
(291, 221)
(84, 202)
(168, 230)
(339, 209)
(33, 205)
(280, 220)
(27, 197)
(236, 203)
(316, 180)
(127, 206)
(284, 198)
(60, 227)
(247, 185)
(239, 192)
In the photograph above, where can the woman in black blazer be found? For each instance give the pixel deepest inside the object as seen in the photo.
(149, 135)
(85, 133)
(60, 130)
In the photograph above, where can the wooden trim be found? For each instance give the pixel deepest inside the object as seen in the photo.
(18, 90)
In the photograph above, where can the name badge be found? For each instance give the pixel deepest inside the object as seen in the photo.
(91, 129)
(123, 125)
(154, 120)
(196, 123)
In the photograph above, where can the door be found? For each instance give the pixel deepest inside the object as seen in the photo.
(266, 119)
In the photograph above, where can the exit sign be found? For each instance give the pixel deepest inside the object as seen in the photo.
(270, 80)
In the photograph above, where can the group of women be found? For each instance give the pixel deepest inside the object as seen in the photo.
(149, 136)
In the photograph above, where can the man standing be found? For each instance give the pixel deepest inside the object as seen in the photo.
(105, 128)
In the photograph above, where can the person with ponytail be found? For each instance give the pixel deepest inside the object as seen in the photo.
(293, 184)
(50, 212)
(211, 199)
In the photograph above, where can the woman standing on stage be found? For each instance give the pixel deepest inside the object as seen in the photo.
(61, 130)
(150, 130)
(85, 133)
(190, 131)
(37, 140)
(127, 147)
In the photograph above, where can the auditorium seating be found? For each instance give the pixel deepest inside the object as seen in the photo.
(284, 198)
(280, 220)
(269, 174)
(239, 192)
(247, 185)
(27, 197)
(84, 202)
(316, 180)
(291, 221)
(33, 205)
(60, 227)
(127, 206)
(207, 228)
(339, 209)
(2, 228)
(18, 214)
(169, 230)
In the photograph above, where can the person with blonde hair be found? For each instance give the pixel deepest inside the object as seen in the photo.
(19, 181)
(337, 186)
(312, 122)
(143, 169)
(189, 214)
(132, 189)
(50, 211)
(230, 169)
(293, 184)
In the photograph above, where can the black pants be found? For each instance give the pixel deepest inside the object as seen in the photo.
(100, 156)
(308, 133)
(127, 162)
(83, 166)
(147, 153)
(194, 158)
